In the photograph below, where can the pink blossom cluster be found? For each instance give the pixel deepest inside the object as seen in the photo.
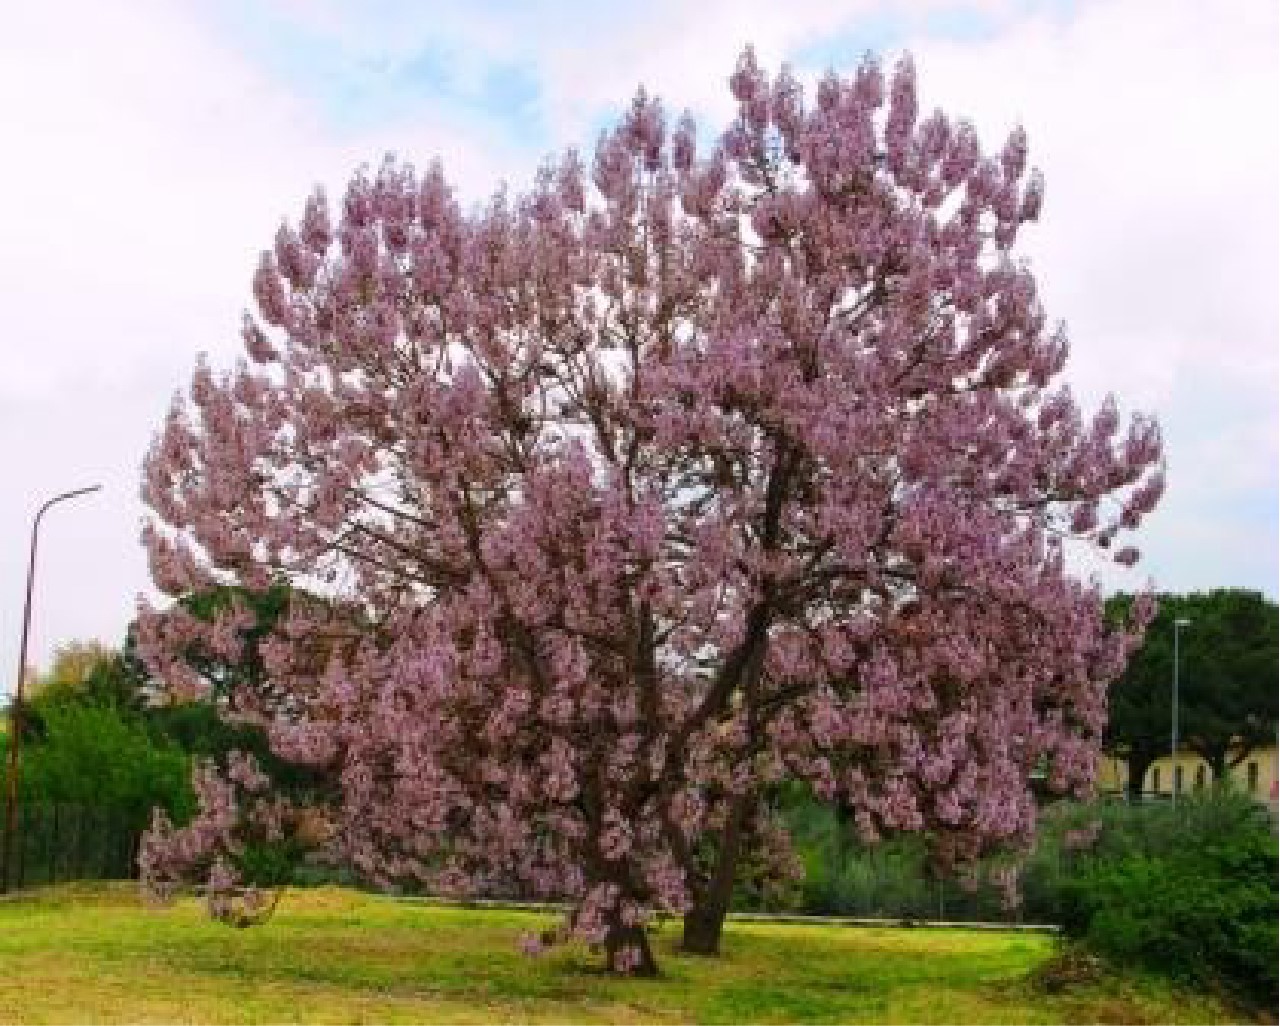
(235, 806)
(698, 466)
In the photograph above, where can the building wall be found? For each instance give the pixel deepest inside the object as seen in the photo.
(1113, 774)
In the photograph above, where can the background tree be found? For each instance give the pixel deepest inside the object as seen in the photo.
(74, 662)
(642, 491)
(1227, 682)
(88, 743)
(77, 666)
(1229, 676)
(213, 727)
(82, 673)
(98, 706)
(102, 737)
(94, 756)
(1139, 720)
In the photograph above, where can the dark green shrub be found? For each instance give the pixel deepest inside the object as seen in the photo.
(269, 863)
(1189, 892)
(197, 729)
(95, 756)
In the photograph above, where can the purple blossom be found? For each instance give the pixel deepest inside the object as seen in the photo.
(644, 489)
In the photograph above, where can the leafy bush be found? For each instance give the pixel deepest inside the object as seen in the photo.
(197, 729)
(87, 743)
(270, 863)
(843, 876)
(93, 755)
(1189, 892)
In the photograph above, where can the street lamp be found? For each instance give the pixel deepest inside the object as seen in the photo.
(15, 720)
(1178, 624)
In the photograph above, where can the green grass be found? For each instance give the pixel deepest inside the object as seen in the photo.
(92, 953)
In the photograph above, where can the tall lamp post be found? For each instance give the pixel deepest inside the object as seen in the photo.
(1178, 624)
(15, 740)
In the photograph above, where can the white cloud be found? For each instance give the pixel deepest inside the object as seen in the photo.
(156, 163)
(1154, 123)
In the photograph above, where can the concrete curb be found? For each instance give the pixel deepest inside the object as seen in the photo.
(743, 917)
(782, 919)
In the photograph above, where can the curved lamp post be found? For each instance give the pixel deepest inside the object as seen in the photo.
(15, 741)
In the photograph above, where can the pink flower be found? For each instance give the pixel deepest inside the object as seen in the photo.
(626, 959)
(531, 944)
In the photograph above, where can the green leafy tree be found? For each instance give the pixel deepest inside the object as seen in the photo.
(96, 756)
(1227, 682)
(212, 727)
(73, 663)
(84, 674)
(264, 607)
(98, 735)
(1230, 674)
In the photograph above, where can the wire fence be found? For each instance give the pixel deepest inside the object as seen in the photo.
(58, 842)
(873, 887)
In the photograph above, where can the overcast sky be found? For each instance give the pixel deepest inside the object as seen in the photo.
(151, 149)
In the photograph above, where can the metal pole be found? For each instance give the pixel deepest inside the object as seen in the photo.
(15, 716)
(1178, 623)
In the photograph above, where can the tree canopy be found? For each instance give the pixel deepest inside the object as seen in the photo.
(1227, 681)
(692, 469)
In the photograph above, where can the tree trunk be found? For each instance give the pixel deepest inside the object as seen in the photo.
(1136, 766)
(633, 942)
(704, 923)
(1236, 758)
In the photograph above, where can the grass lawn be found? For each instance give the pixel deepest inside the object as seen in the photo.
(83, 953)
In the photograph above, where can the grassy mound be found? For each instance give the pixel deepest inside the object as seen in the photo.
(97, 954)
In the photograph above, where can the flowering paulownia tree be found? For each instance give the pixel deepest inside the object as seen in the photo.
(684, 473)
